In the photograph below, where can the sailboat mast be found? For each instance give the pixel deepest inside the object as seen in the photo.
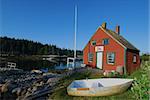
(75, 31)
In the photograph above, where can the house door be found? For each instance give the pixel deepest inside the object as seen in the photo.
(99, 60)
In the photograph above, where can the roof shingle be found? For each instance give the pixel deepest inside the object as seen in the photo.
(121, 39)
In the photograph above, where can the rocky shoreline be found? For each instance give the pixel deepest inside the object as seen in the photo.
(25, 85)
(19, 84)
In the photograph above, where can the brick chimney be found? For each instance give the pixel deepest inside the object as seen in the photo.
(118, 29)
(104, 25)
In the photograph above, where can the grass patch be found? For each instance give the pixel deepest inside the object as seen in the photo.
(135, 94)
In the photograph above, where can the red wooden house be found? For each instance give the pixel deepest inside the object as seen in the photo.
(109, 51)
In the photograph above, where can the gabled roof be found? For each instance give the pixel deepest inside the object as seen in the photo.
(121, 39)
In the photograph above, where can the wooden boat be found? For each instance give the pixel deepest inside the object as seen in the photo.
(98, 87)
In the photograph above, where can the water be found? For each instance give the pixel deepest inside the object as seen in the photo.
(62, 66)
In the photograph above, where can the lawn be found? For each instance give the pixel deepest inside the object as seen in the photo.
(139, 90)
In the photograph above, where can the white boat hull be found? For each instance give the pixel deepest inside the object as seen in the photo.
(96, 87)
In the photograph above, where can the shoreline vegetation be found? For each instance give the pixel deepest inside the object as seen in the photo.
(12, 46)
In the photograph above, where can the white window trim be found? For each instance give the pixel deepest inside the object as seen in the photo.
(92, 42)
(90, 59)
(104, 40)
(134, 58)
(113, 58)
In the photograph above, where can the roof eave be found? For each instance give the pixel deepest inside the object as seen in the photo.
(91, 37)
(114, 38)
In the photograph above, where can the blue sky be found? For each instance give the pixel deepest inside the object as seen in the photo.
(52, 21)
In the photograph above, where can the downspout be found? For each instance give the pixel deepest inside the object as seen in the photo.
(125, 61)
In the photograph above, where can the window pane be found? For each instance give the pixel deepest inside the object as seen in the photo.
(105, 41)
(93, 43)
(90, 57)
(134, 59)
(110, 58)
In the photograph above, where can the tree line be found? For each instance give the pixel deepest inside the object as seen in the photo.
(14, 46)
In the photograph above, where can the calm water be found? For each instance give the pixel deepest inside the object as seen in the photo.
(64, 66)
(30, 64)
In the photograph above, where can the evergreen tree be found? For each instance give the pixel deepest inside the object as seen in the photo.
(26, 47)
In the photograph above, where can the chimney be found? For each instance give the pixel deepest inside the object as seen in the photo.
(104, 25)
(118, 29)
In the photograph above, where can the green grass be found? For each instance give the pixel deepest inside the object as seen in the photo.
(61, 93)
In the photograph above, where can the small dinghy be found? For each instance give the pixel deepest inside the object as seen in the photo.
(98, 87)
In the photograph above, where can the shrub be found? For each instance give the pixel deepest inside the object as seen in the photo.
(112, 74)
(141, 85)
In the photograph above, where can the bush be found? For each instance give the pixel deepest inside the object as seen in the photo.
(112, 74)
(141, 85)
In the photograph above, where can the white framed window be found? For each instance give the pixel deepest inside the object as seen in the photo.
(105, 41)
(110, 58)
(90, 57)
(93, 43)
(134, 59)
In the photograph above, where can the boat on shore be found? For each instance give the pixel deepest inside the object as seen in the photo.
(98, 87)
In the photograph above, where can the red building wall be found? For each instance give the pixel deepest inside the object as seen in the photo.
(130, 65)
(113, 46)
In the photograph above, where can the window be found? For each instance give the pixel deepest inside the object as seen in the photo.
(134, 59)
(93, 43)
(90, 57)
(105, 41)
(110, 58)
